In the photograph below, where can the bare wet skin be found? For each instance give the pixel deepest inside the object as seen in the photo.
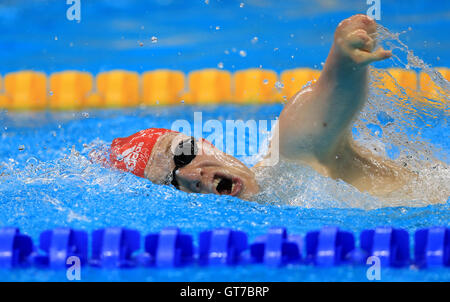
(323, 114)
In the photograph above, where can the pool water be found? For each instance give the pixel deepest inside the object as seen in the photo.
(47, 179)
(201, 34)
(50, 182)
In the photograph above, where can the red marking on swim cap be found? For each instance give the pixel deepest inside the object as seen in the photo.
(132, 153)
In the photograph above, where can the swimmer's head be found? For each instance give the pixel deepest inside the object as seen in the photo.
(169, 157)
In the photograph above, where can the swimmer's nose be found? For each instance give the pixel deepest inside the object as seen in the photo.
(190, 178)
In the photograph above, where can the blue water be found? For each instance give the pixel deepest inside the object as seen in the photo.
(291, 33)
(47, 181)
(49, 185)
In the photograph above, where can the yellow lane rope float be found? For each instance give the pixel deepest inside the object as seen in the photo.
(76, 90)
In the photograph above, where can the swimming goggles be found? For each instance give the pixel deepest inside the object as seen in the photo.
(184, 154)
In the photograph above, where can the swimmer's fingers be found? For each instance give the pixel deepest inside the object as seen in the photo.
(355, 37)
(364, 57)
(361, 40)
(364, 22)
(357, 22)
(380, 54)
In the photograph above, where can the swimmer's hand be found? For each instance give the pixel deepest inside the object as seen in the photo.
(355, 39)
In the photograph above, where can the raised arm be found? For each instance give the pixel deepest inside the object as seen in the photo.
(317, 119)
(314, 127)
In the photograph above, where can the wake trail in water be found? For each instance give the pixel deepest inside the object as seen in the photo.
(392, 123)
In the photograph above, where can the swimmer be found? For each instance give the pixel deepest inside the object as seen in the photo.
(314, 129)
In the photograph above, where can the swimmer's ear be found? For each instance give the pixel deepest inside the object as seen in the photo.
(364, 57)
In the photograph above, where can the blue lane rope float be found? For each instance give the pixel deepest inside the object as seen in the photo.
(117, 247)
(59, 244)
(14, 248)
(329, 246)
(222, 247)
(114, 247)
(169, 248)
(432, 247)
(389, 244)
(277, 248)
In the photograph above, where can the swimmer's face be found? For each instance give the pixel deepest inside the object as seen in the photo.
(208, 170)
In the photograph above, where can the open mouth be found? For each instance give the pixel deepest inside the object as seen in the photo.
(225, 185)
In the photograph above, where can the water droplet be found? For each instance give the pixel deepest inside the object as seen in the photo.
(220, 65)
(141, 44)
(154, 39)
(255, 40)
(227, 51)
(50, 92)
(206, 1)
(217, 27)
(56, 38)
(279, 85)
(243, 53)
(266, 82)
(242, 4)
(21, 147)
(291, 35)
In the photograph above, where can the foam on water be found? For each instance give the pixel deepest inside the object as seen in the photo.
(47, 179)
(394, 123)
